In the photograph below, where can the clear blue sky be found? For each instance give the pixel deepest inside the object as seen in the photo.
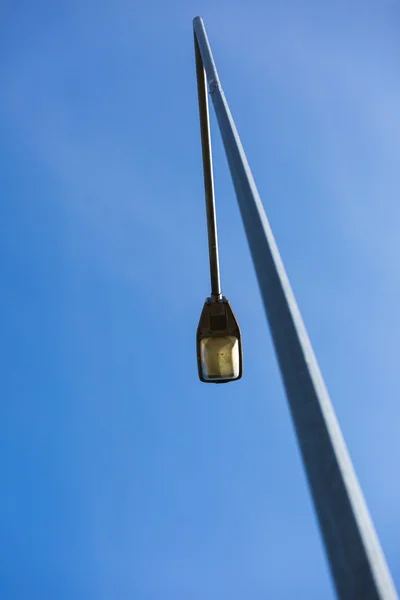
(123, 476)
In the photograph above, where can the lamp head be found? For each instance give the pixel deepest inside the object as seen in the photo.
(219, 344)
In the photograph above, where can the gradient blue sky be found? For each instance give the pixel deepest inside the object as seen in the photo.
(123, 476)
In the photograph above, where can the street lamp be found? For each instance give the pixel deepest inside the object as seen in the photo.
(218, 339)
(356, 560)
(219, 345)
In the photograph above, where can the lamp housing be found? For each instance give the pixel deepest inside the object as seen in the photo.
(219, 343)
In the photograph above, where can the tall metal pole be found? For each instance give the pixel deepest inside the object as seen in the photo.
(356, 560)
(208, 176)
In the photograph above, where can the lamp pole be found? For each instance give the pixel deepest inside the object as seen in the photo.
(208, 176)
(355, 557)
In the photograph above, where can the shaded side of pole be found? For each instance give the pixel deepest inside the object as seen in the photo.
(208, 175)
(356, 560)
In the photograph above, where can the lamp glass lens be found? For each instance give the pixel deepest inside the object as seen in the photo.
(220, 358)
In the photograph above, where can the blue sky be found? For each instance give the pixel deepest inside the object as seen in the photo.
(123, 476)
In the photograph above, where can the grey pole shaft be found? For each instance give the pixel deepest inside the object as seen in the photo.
(208, 176)
(356, 560)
